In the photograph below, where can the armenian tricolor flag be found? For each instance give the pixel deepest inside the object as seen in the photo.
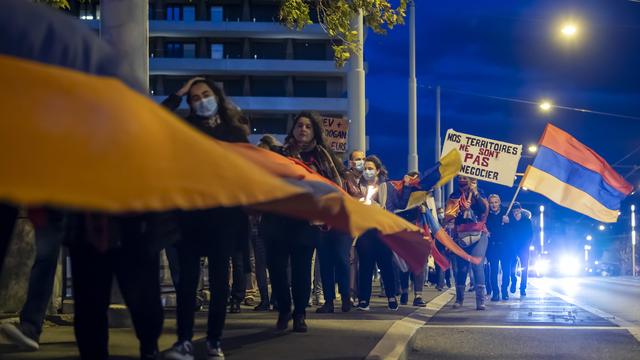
(574, 176)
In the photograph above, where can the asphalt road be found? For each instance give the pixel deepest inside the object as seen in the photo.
(544, 325)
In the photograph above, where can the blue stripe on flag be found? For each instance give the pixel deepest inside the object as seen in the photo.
(579, 177)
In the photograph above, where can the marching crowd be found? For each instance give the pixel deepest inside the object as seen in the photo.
(298, 261)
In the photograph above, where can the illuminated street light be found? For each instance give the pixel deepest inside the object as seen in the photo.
(533, 149)
(589, 237)
(569, 30)
(542, 229)
(601, 227)
(546, 106)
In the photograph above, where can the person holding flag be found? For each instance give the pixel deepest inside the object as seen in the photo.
(468, 209)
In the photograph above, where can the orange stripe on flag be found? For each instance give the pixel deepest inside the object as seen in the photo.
(566, 145)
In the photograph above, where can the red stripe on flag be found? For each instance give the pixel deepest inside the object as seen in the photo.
(566, 145)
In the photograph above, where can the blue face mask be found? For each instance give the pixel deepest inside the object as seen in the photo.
(369, 174)
(206, 107)
(359, 164)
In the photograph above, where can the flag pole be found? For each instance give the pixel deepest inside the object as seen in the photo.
(517, 191)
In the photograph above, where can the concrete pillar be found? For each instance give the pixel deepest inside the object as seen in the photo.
(246, 86)
(289, 50)
(289, 86)
(246, 10)
(124, 24)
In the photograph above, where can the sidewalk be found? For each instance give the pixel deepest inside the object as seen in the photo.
(250, 335)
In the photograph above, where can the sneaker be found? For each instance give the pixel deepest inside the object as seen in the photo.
(214, 350)
(505, 296)
(299, 325)
(419, 302)
(327, 308)
(283, 321)
(523, 293)
(234, 306)
(346, 305)
(404, 299)
(363, 306)
(495, 297)
(21, 336)
(513, 287)
(263, 306)
(182, 350)
(457, 305)
(393, 304)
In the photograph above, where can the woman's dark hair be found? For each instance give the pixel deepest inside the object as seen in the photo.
(318, 136)
(383, 175)
(228, 112)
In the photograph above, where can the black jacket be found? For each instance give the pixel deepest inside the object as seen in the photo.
(230, 133)
(499, 235)
(521, 232)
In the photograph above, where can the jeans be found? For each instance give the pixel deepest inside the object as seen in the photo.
(174, 264)
(500, 257)
(290, 241)
(137, 270)
(418, 281)
(211, 233)
(523, 255)
(48, 243)
(461, 266)
(260, 261)
(333, 252)
(372, 250)
(239, 278)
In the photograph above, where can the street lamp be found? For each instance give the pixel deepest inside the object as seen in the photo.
(586, 252)
(533, 148)
(601, 227)
(569, 30)
(541, 229)
(633, 240)
(545, 106)
(589, 238)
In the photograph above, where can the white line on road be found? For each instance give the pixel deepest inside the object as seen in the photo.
(633, 329)
(533, 327)
(394, 343)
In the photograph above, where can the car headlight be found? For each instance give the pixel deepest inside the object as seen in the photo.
(569, 265)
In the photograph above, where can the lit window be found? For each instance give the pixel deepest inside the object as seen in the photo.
(216, 14)
(189, 51)
(217, 51)
(189, 13)
(174, 13)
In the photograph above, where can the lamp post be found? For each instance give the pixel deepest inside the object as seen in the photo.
(541, 229)
(633, 240)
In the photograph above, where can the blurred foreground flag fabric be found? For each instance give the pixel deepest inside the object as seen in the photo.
(574, 176)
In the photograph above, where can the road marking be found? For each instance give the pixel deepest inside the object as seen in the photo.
(395, 342)
(533, 327)
(631, 328)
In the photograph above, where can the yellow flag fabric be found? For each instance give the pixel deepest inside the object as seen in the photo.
(75, 140)
(450, 165)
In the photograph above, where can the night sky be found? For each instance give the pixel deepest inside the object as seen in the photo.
(510, 49)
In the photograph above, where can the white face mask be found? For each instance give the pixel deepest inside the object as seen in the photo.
(359, 164)
(206, 107)
(369, 174)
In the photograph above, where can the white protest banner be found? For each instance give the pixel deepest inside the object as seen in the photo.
(335, 132)
(484, 159)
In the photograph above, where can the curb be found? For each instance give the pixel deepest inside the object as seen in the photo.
(398, 340)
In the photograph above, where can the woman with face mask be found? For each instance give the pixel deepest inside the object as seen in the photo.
(214, 233)
(370, 248)
(291, 240)
(468, 209)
